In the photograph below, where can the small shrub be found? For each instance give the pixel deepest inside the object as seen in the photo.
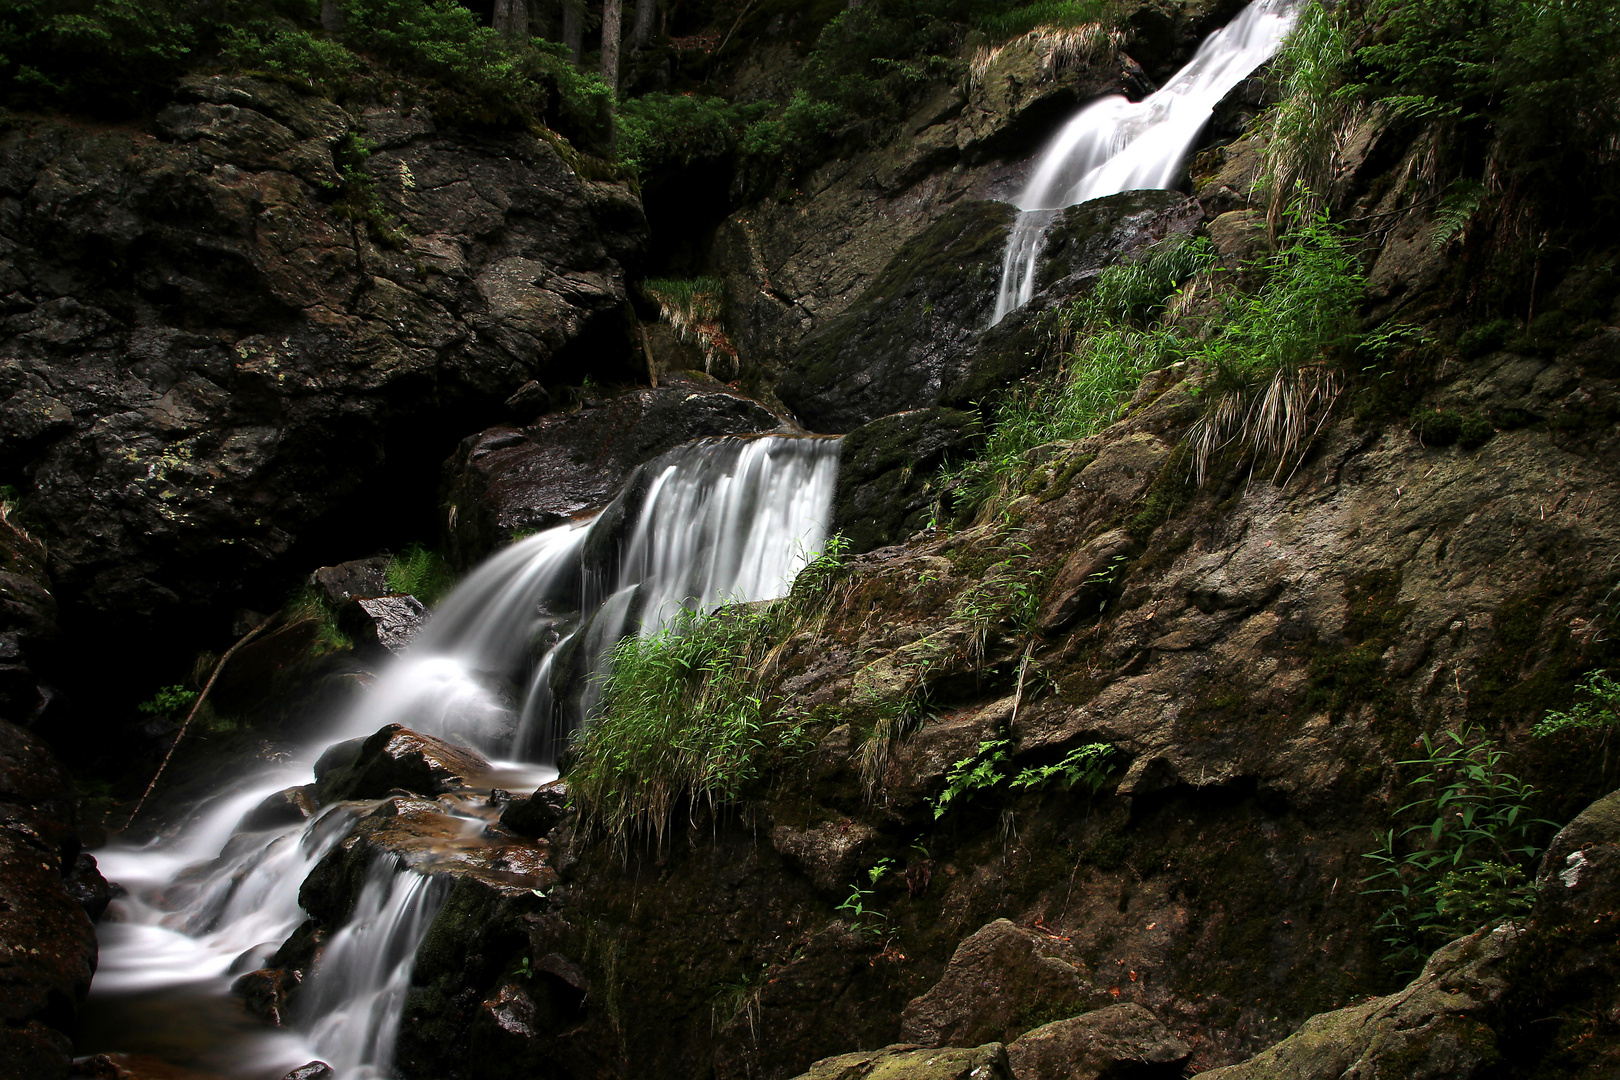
(168, 701)
(1460, 863)
(1591, 720)
(989, 769)
(322, 63)
(863, 919)
(658, 131)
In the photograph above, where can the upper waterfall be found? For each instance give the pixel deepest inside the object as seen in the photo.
(1114, 144)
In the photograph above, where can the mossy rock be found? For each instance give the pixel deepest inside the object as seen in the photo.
(886, 469)
(892, 349)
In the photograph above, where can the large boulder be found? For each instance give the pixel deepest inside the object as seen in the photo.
(46, 939)
(507, 481)
(999, 981)
(203, 361)
(1121, 1040)
(903, 1062)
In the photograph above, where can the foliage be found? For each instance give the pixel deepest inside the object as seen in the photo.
(1303, 131)
(421, 573)
(658, 131)
(308, 604)
(292, 52)
(167, 701)
(684, 719)
(863, 919)
(1592, 719)
(1107, 351)
(1026, 17)
(1460, 862)
(991, 768)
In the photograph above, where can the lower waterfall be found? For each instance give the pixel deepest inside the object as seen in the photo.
(508, 664)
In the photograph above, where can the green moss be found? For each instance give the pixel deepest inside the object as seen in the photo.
(1171, 490)
(1353, 672)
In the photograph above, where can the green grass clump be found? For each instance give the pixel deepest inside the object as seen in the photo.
(1112, 345)
(692, 306)
(308, 605)
(684, 722)
(421, 573)
(1020, 20)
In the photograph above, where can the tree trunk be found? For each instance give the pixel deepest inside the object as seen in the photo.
(573, 28)
(511, 18)
(646, 12)
(612, 16)
(332, 16)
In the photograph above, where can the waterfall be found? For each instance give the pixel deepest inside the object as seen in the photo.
(1114, 145)
(507, 663)
(358, 992)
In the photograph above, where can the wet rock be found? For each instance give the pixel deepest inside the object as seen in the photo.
(47, 944)
(89, 889)
(907, 1062)
(285, 807)
(388, 622)
(1085, 580)
(315, 1070)
(884, 467)
(266, 993)
(394, 757)
(892, 349)
(998, 976)
(27, 621)
(1438, 1026)
(1121, 1040)
(348, 580)
(829, 854)
(195, 386)
(539, 813)
(507, 481)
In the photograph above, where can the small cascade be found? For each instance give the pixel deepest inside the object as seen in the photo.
(358, 991)
(508, 663)
(1114, 145)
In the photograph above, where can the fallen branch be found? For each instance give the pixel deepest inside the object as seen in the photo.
(202, 697)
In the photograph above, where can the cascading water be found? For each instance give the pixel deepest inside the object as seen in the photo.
(1114, 145)
(716, 521)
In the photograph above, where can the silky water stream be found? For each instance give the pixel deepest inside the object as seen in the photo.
(1114, 144)
(712, 522)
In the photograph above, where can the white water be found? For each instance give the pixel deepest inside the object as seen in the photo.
(716, 521)
(1114, 145)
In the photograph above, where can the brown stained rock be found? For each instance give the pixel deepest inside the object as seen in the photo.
(1121, 1040)
(1438, 1026)
(540, 812)
(1085, 580)
(828, 854)
(507, 480)
(1000, 979)
(285, 807)
(394, 757)
(907, 1062)
(47, 944)
(266, 993)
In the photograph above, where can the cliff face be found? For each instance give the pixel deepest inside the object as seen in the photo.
(210, 354)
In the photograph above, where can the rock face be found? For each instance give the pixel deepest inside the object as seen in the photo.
(884, 468)
(201, 358)
(1121, 1040)
(27, 621)
(507, 481)
(46, 940)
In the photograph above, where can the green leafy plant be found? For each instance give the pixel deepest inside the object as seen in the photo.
(989, 769)
(863, 918)
(420, 572)
(1592, 719)
(1456, 859)
(168, 701)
